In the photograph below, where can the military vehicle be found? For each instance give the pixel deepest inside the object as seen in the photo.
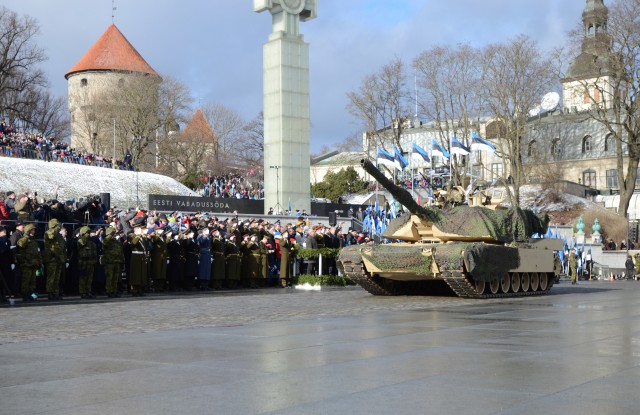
(468, 251)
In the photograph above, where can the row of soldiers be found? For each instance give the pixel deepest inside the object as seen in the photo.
(157, 261)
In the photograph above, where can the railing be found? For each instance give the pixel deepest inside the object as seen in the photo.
(17, 151)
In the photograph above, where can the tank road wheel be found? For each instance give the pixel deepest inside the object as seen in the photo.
(505, 283)
(535, 281)
(480, 286)
(515, 282)
(525, 282)
(494, 286)
(544, 281)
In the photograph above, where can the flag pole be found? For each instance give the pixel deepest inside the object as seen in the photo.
(412, 175)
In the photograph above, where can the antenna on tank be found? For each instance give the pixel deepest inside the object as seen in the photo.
(113, 11)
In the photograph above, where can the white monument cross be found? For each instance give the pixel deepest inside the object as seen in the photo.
(287, 14)
(286, 106)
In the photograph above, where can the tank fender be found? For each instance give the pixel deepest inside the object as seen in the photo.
(488, 261)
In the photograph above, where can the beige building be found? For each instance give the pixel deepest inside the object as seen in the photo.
(111, 64)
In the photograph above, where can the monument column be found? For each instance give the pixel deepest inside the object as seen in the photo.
(286, 105)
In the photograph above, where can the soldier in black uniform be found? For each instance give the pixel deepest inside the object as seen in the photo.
(159, 260)
(177, 259)
(192, 255)
(218, 266)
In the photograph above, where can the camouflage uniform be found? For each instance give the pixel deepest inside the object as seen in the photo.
(112, 260)
(87, 259)
(55, 257)
(29, 260)
(573, 267)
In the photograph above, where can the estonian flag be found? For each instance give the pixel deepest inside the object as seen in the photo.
(386, 159)
(437, 149)
(419, 156)
(401, 162)
(458, 148)
(479, 143)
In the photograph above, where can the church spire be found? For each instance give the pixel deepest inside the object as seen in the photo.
(594, 18)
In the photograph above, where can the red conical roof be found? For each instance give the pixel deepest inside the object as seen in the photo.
(199, 129)
(112, 52)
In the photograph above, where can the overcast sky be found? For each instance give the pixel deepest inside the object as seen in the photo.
(215, 46)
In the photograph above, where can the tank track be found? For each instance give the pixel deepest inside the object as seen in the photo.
(459, 283)
(355, 271)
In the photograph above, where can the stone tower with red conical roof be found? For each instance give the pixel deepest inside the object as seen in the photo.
(112, 62)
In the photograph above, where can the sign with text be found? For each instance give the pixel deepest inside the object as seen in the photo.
(205, 204)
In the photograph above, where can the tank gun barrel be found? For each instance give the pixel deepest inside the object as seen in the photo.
(400, 194)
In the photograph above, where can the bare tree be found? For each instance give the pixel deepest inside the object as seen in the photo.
(382, 104)
(19, 56)
(450, 79)
(614, 94)
(250, 150)
(515, 75)
(227, 126)
(48, 114)
(135, 107)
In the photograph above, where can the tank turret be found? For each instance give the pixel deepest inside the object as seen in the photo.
(459, 223)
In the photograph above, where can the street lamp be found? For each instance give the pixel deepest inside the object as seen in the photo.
(277, 208)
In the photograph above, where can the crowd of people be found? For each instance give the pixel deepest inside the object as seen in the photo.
(24, 144)
(236, 186)
(82, 248)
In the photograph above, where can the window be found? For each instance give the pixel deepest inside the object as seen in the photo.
(496, 170)
(556, 149)
(586, 144)
(83, 82)
(589, 178)
(531, 149)
(612, 178)
(608, 142)
(477, 171)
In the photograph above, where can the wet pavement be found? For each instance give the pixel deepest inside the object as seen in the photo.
(342, 351)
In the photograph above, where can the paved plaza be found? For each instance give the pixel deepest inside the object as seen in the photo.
(335, 351)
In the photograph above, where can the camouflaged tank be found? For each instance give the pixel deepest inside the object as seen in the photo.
(472, 252)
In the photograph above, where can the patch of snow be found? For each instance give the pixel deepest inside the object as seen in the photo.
(66, 181)
(308, 287)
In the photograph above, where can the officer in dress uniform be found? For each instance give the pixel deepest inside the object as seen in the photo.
(285, 255)
(159, 260)
(204, 272)
(176, 267)
(218, 266)
(233, 265)
(192, 256)
(138, 265)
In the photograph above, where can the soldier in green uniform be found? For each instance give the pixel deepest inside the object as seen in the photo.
(112, 260)
(245, 253)
(218, 264)
(232, 255)
(263, 274)
(29, 261)
(253, 262)
(87, 259)
(138, 268)
(573, 266)
(55, 256)
(285, 255)
(159, 256)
